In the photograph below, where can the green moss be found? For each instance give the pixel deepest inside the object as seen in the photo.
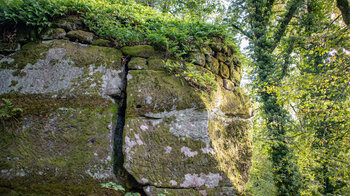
(156, 91)
(235, 103)
(137, 63)
(213, 64)
(231, 140)
(14, 82)
(155, 63)
(30, 53)
(235, 76)
(101, 42)
(84, 56)
(53, 33)
(62, 145)
(43, 104)
(6, 48)
(80, 55)
(81, 36)
(197, 58)
(26, 187)
(139, 51)
(155, 141)
(224, 71)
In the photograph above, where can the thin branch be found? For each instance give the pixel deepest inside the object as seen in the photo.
(242, 31)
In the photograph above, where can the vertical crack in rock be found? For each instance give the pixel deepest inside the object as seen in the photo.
(119, 171)
(118, 131)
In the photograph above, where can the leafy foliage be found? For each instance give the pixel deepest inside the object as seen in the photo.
(124, 21)
(300, 55)
(189, 9)
(8, 111)
(112, 185)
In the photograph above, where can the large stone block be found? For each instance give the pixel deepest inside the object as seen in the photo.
(62, 143)
(177, 139)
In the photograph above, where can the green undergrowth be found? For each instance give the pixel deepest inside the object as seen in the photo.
(126, 22)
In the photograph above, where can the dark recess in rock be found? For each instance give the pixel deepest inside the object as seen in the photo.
(119, 170)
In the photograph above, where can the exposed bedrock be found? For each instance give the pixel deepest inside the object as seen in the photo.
(94, 114)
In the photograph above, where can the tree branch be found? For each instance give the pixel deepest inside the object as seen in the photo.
(242, 31)
(293, 6)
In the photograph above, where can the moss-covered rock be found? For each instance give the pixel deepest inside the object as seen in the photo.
(197, 58)
(69, 23)
(137, 63)
(62, 142)
(224, 70)
(217, 44)
(213, 64)
(235, 103)
(221, 57)
(65, 144)
(53, 33)
(228, 84)
(224, 191)
(7, 48)
(150, 144)
(144, 51)
(81, 36)
(101, 42)
(155, 63)
(62, 68)
(231, 139)
(157, 91)
(235, 76)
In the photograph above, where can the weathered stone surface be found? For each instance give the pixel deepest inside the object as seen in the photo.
(197, 58)
(57, 141)
(235, 104)
(81, 36)
(149, 144)
(216, 44)
(155, 63)
(7, 48)
(235, 76)
(167, 127)
(139, 51)
(208, 51)
(69, 23)
(157, 91)
(224, 70)
(228, 84)
(222, 191)
(101, 42)
(53, 33)
(137, 63)
(62, 68)
(64, 136)
(221, 57)
(213, 64)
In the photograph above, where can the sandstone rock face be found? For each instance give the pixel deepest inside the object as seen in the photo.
(64, 137)
(176, 139)
(85, 106)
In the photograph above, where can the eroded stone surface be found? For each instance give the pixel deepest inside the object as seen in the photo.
(167, 127)
(221, 191)
(64, 135)
(58, 74)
